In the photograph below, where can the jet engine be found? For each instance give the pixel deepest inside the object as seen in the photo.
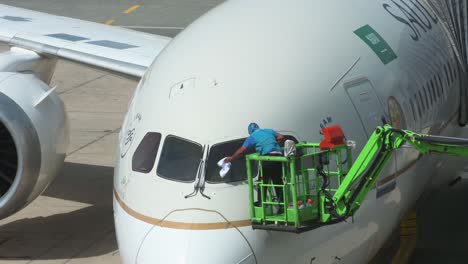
(33, 130)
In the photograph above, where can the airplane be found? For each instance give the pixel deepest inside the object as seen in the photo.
(294, 67)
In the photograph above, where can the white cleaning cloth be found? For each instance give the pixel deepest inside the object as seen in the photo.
(225, 167)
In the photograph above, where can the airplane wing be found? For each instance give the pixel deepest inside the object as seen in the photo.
(112, 48)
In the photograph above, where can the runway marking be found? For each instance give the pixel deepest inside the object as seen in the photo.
(3, 241)
(82, 84)
(93, 141)
(131, 9)
(110, 22)
(151, 27)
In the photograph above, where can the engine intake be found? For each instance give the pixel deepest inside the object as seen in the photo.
(33, 129)
(20, 157)
(8, 160)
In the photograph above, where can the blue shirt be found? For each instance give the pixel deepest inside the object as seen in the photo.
(264, 141)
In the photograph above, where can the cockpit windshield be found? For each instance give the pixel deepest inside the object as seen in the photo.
(217, 152)
(180, 159)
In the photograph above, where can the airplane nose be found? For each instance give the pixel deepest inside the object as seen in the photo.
(187, 244)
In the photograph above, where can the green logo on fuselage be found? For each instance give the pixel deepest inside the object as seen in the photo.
(376, 43)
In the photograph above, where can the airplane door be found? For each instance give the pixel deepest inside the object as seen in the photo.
(370, 110)
(366, 103)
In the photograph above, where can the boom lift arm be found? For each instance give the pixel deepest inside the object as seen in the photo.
(375, 155)
(327, 205)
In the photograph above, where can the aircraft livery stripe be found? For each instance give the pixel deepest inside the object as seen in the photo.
(180, 225)
(395, 175)
(218, 225)
(399, 172)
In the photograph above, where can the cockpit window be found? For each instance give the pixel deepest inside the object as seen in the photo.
(146, 152)
(180, 159)
(238, 169)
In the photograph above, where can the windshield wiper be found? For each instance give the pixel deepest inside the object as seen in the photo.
(202, 181)
(197, 177)
(195, 187)
(199, 185)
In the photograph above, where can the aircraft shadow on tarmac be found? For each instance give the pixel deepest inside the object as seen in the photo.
(442, 226)
(77, 230)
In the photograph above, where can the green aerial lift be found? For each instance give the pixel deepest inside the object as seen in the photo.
(322, 186)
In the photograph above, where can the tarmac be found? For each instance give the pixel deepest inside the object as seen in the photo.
(442, 225)
(163, 17)
(72, 221)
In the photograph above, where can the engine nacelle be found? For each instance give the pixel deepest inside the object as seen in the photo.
(33, 139)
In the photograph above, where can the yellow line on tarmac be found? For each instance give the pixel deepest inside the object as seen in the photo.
(109, 22)
(131, 9)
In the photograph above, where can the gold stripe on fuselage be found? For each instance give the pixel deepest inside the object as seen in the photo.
(180, 225)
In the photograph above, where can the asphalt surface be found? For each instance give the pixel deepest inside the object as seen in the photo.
(164, 17)
(442, 225)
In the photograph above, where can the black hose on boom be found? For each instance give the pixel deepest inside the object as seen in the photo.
(444, 140)
(330, 204)
(366, 176)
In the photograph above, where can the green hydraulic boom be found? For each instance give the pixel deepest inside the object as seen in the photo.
(322, 187)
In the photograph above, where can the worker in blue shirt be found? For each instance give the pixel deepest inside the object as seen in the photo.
(267, 143)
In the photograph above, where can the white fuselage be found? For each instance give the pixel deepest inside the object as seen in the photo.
(292, 67)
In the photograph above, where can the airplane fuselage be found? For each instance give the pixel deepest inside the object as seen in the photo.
(292, 67)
